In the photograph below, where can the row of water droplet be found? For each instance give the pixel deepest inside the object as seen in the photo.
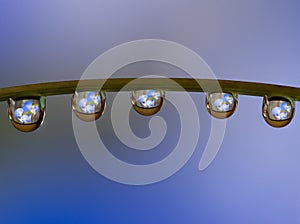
(28, 113)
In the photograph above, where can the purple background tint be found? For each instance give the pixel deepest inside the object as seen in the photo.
(255, 177)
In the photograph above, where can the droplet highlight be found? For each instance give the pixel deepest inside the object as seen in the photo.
(27, 113)
(221, 105)
(147, 102)
(278, 111)
(88, 105)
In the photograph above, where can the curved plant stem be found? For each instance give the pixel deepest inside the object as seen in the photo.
(124, 84)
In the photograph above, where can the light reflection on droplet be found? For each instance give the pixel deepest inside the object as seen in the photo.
(27, 113)
(88, 105)
(278, 111)
(147, 102)
(221, 105)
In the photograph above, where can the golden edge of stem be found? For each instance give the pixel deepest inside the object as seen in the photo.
(126, 84)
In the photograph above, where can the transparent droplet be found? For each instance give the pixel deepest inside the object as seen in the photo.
(278, 111)
(27, 113)
(147, 102)
(88, 105)
(221, 105)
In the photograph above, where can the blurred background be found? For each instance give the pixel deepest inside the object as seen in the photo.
(254, 178)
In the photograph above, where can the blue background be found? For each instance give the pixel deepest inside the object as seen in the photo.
(255, 177)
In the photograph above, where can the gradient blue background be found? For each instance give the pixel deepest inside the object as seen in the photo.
(255, 177)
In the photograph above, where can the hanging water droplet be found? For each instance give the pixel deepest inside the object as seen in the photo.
(27, 113)
(221, 105)
(278, 111)
(88, 105)
(147, 102)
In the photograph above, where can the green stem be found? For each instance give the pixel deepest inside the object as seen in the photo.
(126, 84)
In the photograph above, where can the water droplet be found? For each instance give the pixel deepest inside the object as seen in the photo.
(27, 113)
(88, 105)
(221, 105)
(147, 102)
(278, 111)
